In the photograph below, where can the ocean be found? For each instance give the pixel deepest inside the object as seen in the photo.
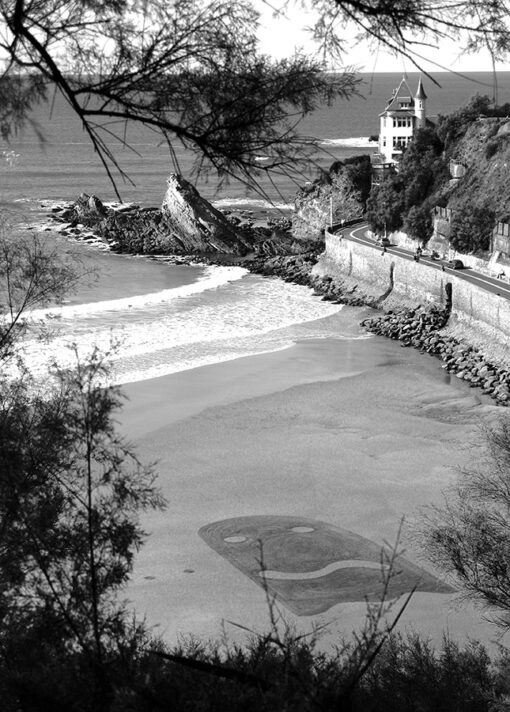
(164, 318)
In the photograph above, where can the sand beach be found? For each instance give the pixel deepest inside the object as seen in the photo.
(338, 435)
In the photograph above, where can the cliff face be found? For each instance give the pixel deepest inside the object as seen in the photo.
(340, 195)
(312, 213)
(485, 152)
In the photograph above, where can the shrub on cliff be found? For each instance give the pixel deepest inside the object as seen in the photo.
(346, 198)
(385, 206)
(497, 144)
(471, 227)
(418, 222)
(359, 171)
(423, 169)
(452, 127)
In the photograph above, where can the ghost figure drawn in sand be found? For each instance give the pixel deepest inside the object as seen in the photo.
(311, 566)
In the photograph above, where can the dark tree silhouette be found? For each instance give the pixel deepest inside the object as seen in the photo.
(406, 27)
(188, 70)
(469, 536)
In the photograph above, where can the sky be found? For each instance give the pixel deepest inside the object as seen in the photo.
(280, 37)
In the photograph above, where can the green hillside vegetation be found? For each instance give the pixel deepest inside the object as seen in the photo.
(477, 137)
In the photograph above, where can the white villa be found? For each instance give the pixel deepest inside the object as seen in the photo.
(404, 114)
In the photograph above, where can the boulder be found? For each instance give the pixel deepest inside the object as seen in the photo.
(87, 210)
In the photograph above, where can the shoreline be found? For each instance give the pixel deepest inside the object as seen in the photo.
(423, 327)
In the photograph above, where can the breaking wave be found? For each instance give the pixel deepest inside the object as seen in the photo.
(358, 142)
(212, 278)
(223, 318)
(251, 203)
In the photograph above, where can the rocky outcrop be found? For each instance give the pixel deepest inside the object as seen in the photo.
(194, 224)
(88, 210)
(291, 268)
(338, 194)
(185, 224)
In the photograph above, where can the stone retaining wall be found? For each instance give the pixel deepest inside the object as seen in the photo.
(408, 280)
(484, 317)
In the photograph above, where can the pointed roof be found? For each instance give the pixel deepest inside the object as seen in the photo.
(420, 92)
(401, 94)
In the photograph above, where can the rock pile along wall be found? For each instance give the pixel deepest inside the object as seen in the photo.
(480, 317)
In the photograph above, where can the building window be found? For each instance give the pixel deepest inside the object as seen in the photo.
(401, 141)
(402, 122)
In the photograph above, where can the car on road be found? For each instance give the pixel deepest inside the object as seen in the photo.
(455, 264)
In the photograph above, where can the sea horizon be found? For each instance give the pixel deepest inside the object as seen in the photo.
(64, 165)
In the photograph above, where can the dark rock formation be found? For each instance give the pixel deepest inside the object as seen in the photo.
(185, 224)
(194, 224)
(88, 210)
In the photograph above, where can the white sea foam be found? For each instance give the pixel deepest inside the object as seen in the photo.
(239, 318)
(356, 142)
(251, 203)
(212, 278)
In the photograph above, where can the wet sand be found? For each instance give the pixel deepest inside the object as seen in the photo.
(356, 434)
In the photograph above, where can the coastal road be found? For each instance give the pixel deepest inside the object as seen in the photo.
(490, 284)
